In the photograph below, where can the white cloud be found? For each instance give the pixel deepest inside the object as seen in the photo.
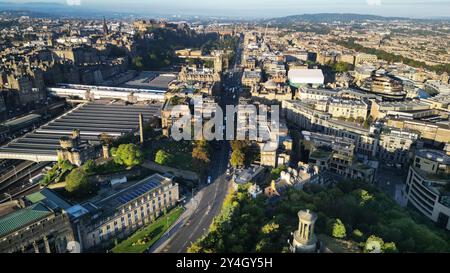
(374, 2)
(74, 2)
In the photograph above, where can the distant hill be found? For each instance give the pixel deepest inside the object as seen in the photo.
(329, 17)
(48, 9)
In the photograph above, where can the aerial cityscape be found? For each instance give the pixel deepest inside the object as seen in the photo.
(208, 128)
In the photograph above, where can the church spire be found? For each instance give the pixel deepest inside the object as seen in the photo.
(105, 27)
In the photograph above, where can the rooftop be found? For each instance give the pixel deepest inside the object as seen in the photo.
(92, 119)
(21, 120)
(434, 155)
(49, 198)
(151, 80)
(23, 218)
(116, 198)
(320, 154)
(305, 76)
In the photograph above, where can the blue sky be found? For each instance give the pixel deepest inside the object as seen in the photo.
(270, 8)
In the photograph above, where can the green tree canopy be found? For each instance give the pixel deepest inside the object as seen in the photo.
(237, 158)
(374, 244)
(89, 166)
(127, 154)
(78, 184)
(200, 156)
(338, 230)
(162, 157)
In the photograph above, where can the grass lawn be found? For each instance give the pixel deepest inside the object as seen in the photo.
(180, 151)
(149, 234)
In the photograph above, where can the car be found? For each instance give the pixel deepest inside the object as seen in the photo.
(209, 180)
(390, 164)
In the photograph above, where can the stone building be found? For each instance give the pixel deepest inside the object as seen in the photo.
(35, 229)
(195, 74)
(74, 150)
(124, 210)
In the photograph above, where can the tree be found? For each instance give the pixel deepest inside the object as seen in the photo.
(200, 156)
(389, 248)
(89, 166)
(138, 63)
(127, 154)
(237, 158)
(194, 248)
(65, 165)
(162, 157)
(357, 235)
(78, 184)
(238, 145)
(374, 244)
(269, 228)
(276, 173)
(338, 230)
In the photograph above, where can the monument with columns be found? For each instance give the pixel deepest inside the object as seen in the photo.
(304, 239)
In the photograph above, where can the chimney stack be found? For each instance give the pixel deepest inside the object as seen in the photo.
(141, 128)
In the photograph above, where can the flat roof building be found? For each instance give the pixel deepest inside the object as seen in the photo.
(427, 185)
(298, 77)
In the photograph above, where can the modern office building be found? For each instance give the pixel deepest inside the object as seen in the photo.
(427, 185)
(385, 86)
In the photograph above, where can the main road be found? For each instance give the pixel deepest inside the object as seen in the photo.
(208, 201)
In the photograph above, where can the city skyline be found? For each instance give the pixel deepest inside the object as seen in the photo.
(266, 9)
(160, 127)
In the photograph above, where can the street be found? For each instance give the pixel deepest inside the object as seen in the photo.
(208, 201)
(391, 180)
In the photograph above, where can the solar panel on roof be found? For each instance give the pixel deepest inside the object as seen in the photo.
(141, 191)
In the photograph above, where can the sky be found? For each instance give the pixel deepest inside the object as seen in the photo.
(268, 8)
